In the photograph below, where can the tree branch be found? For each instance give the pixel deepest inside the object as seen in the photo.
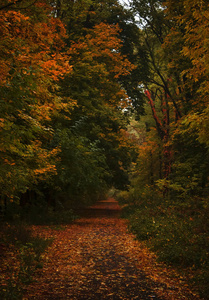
(18, 1)
(165, 84)
(10, 4)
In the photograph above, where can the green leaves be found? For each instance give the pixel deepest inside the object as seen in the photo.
(81, 171)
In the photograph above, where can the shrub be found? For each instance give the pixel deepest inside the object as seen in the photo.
(28, 253)
(48, 216)
(177, 231)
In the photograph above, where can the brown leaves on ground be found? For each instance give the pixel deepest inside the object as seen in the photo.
(96, 258)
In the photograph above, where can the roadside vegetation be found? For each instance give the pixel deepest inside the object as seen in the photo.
(176, 231)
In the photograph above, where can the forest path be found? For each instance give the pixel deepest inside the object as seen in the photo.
(96, 258)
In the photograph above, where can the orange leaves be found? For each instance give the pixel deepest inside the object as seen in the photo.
(104, 37)
(108, 44)
(43, 171)
(31, 61)
(95, 257)
(102, 44)
(1, 123)
(6, 161)
(56, 67)
(29, 44)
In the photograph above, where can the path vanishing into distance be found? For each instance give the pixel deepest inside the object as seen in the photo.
(97, 258)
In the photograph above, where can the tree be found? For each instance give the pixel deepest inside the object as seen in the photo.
(93, 83)
(190, 61)
(159, 86)
(80, 16)
(31, 61)
(177, 84)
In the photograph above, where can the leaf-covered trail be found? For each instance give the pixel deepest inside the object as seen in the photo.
(96, 258)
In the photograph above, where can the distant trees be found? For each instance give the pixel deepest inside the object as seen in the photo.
(97, 119)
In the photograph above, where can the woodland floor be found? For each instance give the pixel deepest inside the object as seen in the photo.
(97, 258)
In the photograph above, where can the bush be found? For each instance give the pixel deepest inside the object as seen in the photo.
(28, 250)
(176, 231)
(16, 233)
(38, 215)
(123, 197)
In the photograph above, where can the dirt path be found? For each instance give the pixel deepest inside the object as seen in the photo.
(96, 258)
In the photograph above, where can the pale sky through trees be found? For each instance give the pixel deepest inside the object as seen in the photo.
(124, 2)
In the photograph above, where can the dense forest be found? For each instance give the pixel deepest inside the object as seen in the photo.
(99, 95)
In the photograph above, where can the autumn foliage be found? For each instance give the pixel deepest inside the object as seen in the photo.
(31, 62)
(95, 96)
(169, 180)
(48, 83)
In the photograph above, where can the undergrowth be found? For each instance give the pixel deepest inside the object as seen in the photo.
(21, 255)
(39, 214)
(177, 231)
(25, 247)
